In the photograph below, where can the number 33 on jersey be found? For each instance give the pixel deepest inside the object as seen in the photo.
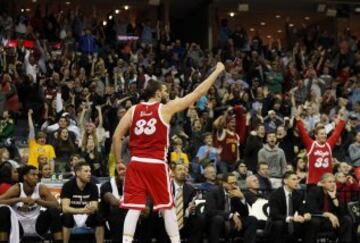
(148, 132)
(320, 161)
(146, 127)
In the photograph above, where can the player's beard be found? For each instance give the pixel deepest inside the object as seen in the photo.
(164, 100)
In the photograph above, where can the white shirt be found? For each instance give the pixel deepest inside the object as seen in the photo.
(177, 189)
(287, 193)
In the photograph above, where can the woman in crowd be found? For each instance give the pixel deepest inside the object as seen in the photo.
(45, 171)
(64, 148)
(92, 155)
(8, 176)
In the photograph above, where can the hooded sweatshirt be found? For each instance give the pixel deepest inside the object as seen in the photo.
(275, 157)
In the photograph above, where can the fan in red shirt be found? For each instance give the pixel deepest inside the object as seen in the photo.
(227, 141)
(319, 152)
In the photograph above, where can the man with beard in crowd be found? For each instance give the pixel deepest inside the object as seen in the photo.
(79, 200)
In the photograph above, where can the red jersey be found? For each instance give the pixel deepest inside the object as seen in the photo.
(240, 114)
(229, 142)
(320, 159)
(148, 132)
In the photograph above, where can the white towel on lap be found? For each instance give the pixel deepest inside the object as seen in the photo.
(80, 220)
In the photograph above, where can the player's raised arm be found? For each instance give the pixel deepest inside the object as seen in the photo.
(120, 132)
(181, 104)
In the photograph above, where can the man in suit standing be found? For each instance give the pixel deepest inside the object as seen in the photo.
(323, 203)
(191, 223)
(287, 212)
(226, 207)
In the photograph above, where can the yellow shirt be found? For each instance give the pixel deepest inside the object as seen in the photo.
(35, 150)
(183, 157)
(111, 164)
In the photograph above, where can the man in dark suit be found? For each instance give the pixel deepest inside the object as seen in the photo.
(289, 219)
(327, 212)
(190, 221)
(226, 207)
(253, 193)
(263, 177)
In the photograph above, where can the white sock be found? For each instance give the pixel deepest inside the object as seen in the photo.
(171, 225)
(130, 223)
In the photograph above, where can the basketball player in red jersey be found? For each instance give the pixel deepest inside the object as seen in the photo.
(147, 171)
(319, 152)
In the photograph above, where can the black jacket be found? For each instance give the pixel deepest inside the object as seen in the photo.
(277, 203)
(189, 193)
(315, 202)
(251, 197)
(252, 147)
(215, 204)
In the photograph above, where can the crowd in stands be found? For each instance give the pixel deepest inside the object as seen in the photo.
(70, 78)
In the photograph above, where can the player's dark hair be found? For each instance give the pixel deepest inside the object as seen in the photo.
(151, 88)
(23, 171)
(79, 165)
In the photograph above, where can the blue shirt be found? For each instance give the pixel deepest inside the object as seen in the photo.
(201, 104)
(212, 155)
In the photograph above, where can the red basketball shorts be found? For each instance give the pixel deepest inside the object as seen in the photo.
(147, 177)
